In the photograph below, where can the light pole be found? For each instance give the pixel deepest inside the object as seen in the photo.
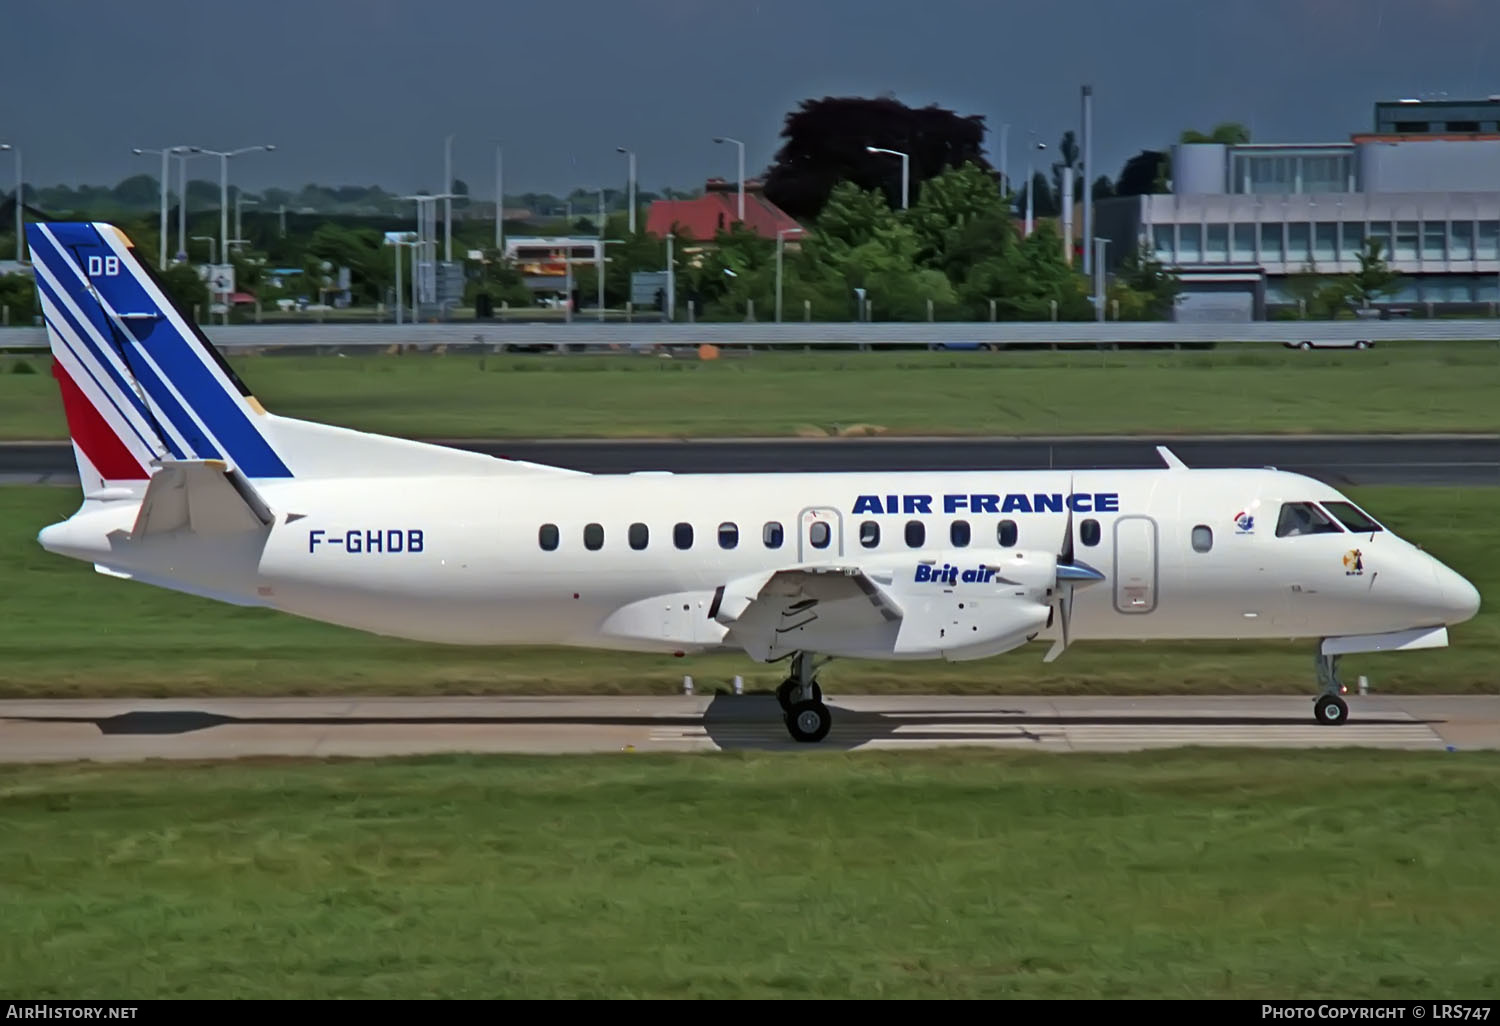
(500, 203)
(20, 233)
(448, 203)
(213, 254)
(631, 155)
(165, 187)
(1031, 152)
(741, 146)
(905, 172)
(1005, 183)
(224, 189)
(780, 244)
(1099, 244)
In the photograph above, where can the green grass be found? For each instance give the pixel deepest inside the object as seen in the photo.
(959, 874)
(1242, 389)
(66, 631)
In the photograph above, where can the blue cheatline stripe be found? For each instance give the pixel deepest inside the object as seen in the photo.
(121, 386)
(179, 358)
(201, 447)
(98, 384)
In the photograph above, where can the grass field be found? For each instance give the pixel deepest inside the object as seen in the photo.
(877, 875)
(1258, 389)
(66, 631)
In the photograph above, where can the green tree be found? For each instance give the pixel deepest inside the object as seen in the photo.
(1144, 288)
(1374, 277)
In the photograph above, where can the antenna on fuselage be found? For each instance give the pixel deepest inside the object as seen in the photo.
(1170, 458)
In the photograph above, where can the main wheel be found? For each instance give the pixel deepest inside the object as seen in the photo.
(787, 688)
(808, 721)
(1331, 710)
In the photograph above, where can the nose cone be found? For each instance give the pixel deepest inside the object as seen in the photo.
(1460, 598)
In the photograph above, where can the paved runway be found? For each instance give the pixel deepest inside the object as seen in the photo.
(1338, 460)
(224, 728)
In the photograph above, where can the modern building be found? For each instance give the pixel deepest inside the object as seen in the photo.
(1241, 220)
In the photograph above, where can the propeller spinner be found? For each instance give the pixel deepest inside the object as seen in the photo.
(1071, 574)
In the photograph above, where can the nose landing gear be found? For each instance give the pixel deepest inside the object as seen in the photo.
(1330, 709)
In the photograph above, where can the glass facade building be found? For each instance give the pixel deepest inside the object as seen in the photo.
(1241, 221)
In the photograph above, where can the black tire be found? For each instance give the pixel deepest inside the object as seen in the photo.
(784, 693)
(1331, 711)
(808, 722)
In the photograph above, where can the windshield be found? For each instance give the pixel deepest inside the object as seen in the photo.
(1304, 518)
(1352, 517)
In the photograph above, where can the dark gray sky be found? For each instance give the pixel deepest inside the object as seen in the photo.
(364, 91)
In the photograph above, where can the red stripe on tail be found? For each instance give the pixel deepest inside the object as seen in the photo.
(94, 435)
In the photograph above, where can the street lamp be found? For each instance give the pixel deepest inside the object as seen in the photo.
(224, 189)
(780, 244)
(448, 203)
(20, 234)
(165, 185)
(631, 155)
(1099, 245)
(724, 139)
(1031, 180)
(905, 165)
(499, 202)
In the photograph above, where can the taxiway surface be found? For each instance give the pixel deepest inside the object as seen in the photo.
(1337, 460)
(55, 730)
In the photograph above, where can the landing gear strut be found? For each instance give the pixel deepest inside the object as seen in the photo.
(801, 698)
(1330, 709)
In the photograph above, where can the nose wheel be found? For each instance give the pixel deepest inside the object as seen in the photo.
(1330, 709)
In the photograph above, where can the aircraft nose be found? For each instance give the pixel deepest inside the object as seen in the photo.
(1460, 598)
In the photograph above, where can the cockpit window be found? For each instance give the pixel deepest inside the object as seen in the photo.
(1304, 518)
(1352, 517)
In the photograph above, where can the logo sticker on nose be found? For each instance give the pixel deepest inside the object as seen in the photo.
(1354, 563)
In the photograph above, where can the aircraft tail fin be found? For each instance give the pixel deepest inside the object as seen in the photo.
(142, 384)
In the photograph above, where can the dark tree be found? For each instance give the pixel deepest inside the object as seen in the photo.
(826, 140)
(1139, 175)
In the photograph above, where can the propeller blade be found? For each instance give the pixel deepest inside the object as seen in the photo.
(1065, 571)
(1064, 621)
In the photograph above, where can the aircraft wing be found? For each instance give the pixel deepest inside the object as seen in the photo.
(878, 611)
(200, 496)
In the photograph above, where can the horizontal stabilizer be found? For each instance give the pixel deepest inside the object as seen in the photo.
(205, 497)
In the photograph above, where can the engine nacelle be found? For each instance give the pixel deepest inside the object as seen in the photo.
(969, 603)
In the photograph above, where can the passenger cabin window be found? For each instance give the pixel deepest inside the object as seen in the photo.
(1304, 518)
(547, 537)
(593, 537)
(1007, 533)
(682, 536)
(1203, 538)
(729, 535)
(639, 535)
(819, 535)
(1088, 532)
(916, 534)
(869, 534)
(1352, 517)
(771, 534)
(958, 533)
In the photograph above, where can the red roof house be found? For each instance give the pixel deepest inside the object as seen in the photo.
(717, 210)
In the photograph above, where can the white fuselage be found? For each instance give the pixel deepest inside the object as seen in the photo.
(460, 559)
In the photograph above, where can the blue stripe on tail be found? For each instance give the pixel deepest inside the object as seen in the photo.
(182, 356)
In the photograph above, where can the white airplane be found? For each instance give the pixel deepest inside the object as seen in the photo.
(190, 484)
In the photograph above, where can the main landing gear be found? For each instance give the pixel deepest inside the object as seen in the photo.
(1330, 708)
(801, 698)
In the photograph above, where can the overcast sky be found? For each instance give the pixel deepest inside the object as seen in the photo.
(363, 92)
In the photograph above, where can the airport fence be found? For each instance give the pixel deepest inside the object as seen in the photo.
(239, 337)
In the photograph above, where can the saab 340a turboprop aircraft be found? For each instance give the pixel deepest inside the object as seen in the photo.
(190, 484)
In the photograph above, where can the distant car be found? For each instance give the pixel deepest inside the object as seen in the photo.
(1329, 343)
